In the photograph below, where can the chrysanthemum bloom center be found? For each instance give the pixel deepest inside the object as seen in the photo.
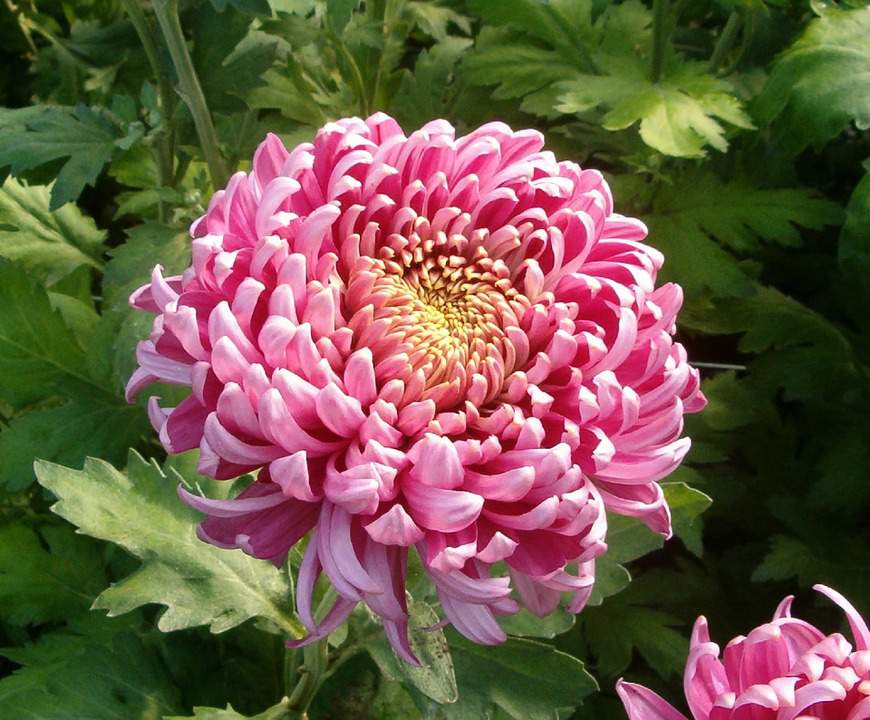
(438, 313)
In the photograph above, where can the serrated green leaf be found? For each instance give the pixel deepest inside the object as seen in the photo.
(740, 215)
(97, 424)
(695, 219)
(250, 7)
(434, 19)
(34, 136)
(679, 115)
(435, 677)
(516, 68)
(225, 50)
(525, 624)
(96, 672)
(276, 712)
(610, 578)
(842, 485)
(525, 679)
(628, 539)
(198, 583)
(49, 244)
(42, 359)
(789, 558)
(339, 13)
(687, 505)
(131, 263)
(822, 82)
(557, 23)
(47, 574)
(421, 93)
(616, 629)
(855, 236)
(39, 355)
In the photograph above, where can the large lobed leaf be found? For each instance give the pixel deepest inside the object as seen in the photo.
(47, 574)
(82, 138)
(198, 583)
(821, 84)
(49, 244)
(561, 61)
(696, 221)
(95, 670)
(42, 359)
(39, 354)
(524, 679)
(277, 712)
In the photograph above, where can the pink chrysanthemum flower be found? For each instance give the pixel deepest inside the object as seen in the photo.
(430, 341)
(784, 670)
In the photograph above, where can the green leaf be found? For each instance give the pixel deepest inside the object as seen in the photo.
(198, 583)
(34, 136)
(525, 624)
(250, 7)
(842, 486)
(610, 578)
(518, 69)
(821, 83)
(49, 244)
(422, 93)
(47, 574)
(740, 215)
(770, 320)
(679, 115)
(789, 558)
(39, 355)
(41, 359)
(696, 221)
(628, 539)
(131, 263)
(687, 504)
(276, 712)
(614, 631)
(434, 19)
(224, 51)
(94, 424)
(435, 677)
(525, 679)
(97, 672)
(855, 236)
(339, 13)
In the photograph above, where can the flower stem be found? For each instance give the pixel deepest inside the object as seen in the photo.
(166, 138)
(190, 88)
(661, 34)
(356, 75)
(725, 41)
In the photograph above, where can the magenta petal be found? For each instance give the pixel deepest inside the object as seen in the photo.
(442, 510)
(643, 704)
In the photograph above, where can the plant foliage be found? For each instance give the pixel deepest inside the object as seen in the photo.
(736, 130)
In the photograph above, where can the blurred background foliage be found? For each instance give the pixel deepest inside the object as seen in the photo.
(736, 129)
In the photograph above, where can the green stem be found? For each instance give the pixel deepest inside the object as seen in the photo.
(23, 25)
(661, 34)
(315, 659)
(360, 86)
(725, 41)
(190, 88)
(390, 16)
(166, 138)
(746, 41)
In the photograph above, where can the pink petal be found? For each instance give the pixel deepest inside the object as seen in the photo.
(643, 704)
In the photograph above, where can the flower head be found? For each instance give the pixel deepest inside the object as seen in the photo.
(786, 669)
(430, 341)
